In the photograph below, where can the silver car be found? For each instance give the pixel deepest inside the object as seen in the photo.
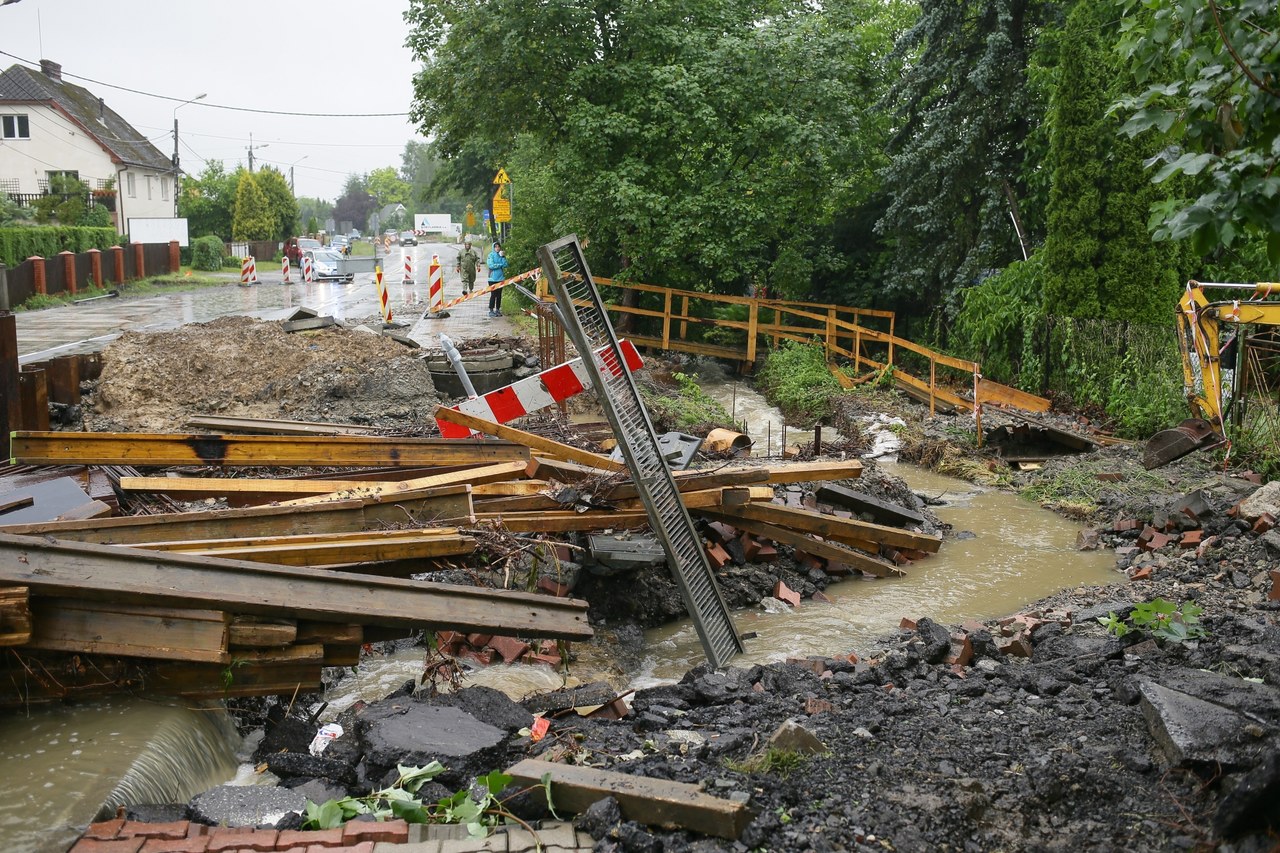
(326, 265)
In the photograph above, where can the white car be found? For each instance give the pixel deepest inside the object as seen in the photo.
(327, 264)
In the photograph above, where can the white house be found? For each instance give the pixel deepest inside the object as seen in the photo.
(50, 127)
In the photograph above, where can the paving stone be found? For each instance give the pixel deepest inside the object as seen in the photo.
(117, 845)
(1194, 732)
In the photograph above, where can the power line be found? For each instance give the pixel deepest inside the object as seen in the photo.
(280, 141)
(35, 65)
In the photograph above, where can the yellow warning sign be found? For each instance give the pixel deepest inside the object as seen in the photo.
(501, 177)
(501, 208)
(471, 217)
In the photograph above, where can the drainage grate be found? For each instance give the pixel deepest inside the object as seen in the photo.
(588, 326)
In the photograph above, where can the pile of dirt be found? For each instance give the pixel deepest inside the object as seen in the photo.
(239, 366)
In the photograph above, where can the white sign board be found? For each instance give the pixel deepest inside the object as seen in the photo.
(436, 223)
(156, 230)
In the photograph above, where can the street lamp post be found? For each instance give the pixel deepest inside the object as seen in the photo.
(291, 165)
(177, 172)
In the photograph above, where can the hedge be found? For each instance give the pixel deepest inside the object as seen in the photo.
(18, 244)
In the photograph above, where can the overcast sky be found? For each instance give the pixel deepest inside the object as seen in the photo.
(321, 57)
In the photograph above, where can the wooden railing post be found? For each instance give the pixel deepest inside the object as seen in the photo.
(69, 270)
(666, 320)
(830, 331)
(684, 312)
(753, 326)
(891, 337)
(933, 381)
(857, 350)
(95, 266)
(39, 285)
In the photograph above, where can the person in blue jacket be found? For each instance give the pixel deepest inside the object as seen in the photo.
(497, 264)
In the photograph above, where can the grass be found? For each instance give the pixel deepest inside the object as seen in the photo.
(782, 762)
(142, 287)
(1078, 487)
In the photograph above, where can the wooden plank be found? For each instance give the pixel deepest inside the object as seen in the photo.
(271, 426)
(136, 576)
(343, 553)
(802, 542)
(511, 488)
(206, 524)
(528, 439)
(145, 631)
(882, 512)
(994, 392)
(810, 472)
(381, 492)
(563, 521)
(197, 488)
(165, 449)
(686, 481)
(300, 539)
(15, 616)
(654, 802)
(848, 530)
(343, 655)
(252, 632)
(330, 633)
(33, 391)
(93, 509)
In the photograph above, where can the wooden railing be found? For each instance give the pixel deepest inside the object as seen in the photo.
(665, 321)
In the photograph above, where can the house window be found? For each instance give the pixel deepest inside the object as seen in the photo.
(131, 185)
(164, 189)
(148, 187)
(15, 127)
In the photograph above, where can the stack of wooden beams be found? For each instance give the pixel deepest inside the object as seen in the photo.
(300, 570)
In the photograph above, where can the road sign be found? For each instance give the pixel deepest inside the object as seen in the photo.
(471, 217)
(501, 206)
(501, 177)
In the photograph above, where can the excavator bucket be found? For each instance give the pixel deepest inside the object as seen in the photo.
(1170, 444)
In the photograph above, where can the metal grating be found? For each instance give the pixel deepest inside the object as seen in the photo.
(584, 317)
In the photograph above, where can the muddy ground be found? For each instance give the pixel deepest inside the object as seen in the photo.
(1040, 732)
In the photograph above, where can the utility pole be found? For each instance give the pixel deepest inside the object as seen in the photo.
(251, 150)
(177, 172)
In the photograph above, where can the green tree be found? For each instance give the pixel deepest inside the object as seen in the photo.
(313, 211)
(280, 200)
(388, 186)
(1212, 97)
(701, 153)
(207, 200)
(356, 203)
(252, 219)
(965, 111)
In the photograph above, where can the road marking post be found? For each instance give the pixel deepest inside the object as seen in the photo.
(308, 273)
(284, 267)
(248, 270)
(435, 291)
(382, 296)
(408, 267)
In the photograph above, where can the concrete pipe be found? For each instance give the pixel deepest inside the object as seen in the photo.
(719, 440)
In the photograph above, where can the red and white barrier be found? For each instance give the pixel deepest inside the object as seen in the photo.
(408, 267)
(248, 270)
(284, 267)
(435, 287)
(382, 295)
(308, 273)
(540, 390)
(533, 274)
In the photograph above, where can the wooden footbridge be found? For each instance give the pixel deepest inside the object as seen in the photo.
(860, 343)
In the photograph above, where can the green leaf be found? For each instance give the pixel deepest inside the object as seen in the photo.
(410, 811)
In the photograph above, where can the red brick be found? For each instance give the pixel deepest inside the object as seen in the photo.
(750, 547)
(899, 558)
(117, 845)
(719, 556)
(808, 561)
(1265, 522)
(1126, 524)
(767, 554)
(479, 640)
(362, 847)
(1146, 534)
(1274, 595)
(907, 624)
(817, 706)
(232, 838)
(391, 831)
(559, 590)
(510, 649)
(784, 592)
(484, 657)
(721, 532)
(971, 625)
(552, 661)
(815, 665)
(1109, 476)
(549, 647)
(838, 570)
(104, 830)
(563, 552)
(820, 597)
(172, 829)
(310, 838)
(1251, 476)
(1191, 538)
(1016, 648)
(614, 710)
(198, 844)
(961, 650)
(1142, 574)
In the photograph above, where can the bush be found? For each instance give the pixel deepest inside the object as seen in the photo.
(207, 253)
(797, 380)
(19, 243)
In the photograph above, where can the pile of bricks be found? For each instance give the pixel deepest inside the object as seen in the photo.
(488, 649)
(126, 836)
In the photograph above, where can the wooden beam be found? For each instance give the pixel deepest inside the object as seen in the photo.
(802, 542)
(136, 576)
(383, 492)
(134, 630)
(653, 802)
(848, 530)
(197, 488)
(164, 449)
(528, 439)
(809, 472)
(344, 551)
(15, 616)
(563, 521)
(250, 632)
(272, 426)
(509, 489)
(686, 481)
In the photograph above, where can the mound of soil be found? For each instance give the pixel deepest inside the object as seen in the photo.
(239, 366)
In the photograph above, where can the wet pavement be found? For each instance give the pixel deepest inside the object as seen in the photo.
(91, 325)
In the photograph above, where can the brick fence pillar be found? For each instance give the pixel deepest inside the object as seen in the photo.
(175, 257)
(140, 259)
(95, 267)
(69, 270)
(117, 264)
(37, 273)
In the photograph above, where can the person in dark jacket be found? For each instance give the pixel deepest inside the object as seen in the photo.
(497, 264)
(468, 263)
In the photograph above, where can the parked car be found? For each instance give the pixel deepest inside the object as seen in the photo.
(354, 235)
(408, 238)
(340, 243)
(295, 247)
(326, 264)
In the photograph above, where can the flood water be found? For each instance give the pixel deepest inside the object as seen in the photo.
(63, 764)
